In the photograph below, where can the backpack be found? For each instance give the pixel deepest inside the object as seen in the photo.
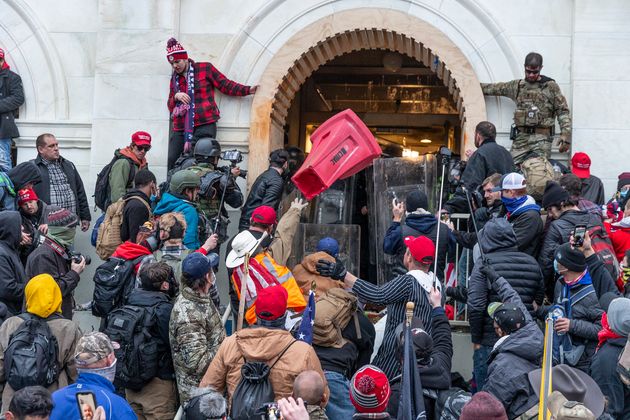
(108, 238)
(113, 281)
(31, 357)
(254, 389)
(601, 244)
(333, 311)
(537, 170)
(102, 193)
(138, 357)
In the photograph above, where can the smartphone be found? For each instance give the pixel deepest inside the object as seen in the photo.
(578, 235)
(87, 405)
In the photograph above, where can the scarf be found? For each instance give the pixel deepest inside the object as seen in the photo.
(605, 333)
(126, 152)
(516, 206)
(62, 235)
(424, 279)
(189, 110)
(583, 279)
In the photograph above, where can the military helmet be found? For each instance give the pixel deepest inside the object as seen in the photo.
(207, 147)
(184, 179)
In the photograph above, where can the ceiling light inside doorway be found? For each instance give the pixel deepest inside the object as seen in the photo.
(425, 141)
(392, 62)
(408, 153)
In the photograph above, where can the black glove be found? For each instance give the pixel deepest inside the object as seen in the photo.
(335, 270)
(487, 270)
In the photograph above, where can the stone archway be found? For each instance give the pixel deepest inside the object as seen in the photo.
(347, 31)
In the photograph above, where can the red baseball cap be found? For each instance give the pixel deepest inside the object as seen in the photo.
(1, 53)
(271, 302)
(422, 249)
(581, 165)
(141, 138)
(264, 215)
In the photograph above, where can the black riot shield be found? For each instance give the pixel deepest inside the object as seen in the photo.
(309, 234)
(394, 178)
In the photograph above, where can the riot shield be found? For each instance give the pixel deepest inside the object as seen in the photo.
(336, 204)
(309, 234)
(394, 178)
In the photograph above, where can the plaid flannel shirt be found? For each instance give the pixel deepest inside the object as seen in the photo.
(61, 193)
(207, 78)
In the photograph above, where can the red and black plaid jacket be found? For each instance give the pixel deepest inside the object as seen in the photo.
(207, 78)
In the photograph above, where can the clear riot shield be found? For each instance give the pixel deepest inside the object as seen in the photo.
(394, 178)
(336, 204)
(309, 234)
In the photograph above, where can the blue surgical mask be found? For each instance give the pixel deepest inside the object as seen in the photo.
(556, 269)
(623, 193)
(153, 198)
(108, 372)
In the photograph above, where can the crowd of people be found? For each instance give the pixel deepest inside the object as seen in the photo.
(300, 345)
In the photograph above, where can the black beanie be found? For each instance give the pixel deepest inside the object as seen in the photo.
(416, 200)
(624, 179)
(554, 194)
(572, 259)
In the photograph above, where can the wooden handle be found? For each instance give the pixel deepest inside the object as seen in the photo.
(409, 312)
(241, 301)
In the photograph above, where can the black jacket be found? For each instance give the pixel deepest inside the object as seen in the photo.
(45, 260)
(528, 228)
(604, 373)
(593, 190)
(134, 215)
(266, 191)
(498, 242)
(490, 158)
(11, 98)
(12, 276)
(74, 179)
(512, 359)
(354, 354)
(434, 376)
(24, 173)
(482, 216)
(558, 233)
(602, 280)
(416, 225)
(163, 307)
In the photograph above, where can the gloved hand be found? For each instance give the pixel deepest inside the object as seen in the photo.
(299, 204)
(487, 270)
(187, 147)
(335, 270)
(564, 143)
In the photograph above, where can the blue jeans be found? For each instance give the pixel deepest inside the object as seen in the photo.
(339, 405)
(5, 155)
(480, 366)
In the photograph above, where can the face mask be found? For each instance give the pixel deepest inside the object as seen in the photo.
(512, 204)
(556, 269)
(108, 373)
(623, 193)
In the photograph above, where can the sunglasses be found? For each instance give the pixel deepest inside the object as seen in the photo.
(144, 148)
(532, 71)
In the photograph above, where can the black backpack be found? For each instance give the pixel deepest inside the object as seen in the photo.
(32, 353)
(102, 193)
(138, 358)
(254, 390)
(113, 281)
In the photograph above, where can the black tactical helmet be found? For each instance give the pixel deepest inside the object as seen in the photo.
(207, 147)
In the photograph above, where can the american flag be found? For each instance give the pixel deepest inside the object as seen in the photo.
(305, 333)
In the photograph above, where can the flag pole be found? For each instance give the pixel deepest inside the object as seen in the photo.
(241, 301)
(545, 378)
(409, 312)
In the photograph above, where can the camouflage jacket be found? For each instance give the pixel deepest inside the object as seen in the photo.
(315, 412)
(210, 205)
(195, 333)
(544, 94)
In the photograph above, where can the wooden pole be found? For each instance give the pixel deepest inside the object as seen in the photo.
(241, 301)
(409, 312)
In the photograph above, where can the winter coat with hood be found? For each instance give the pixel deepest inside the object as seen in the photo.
(266, 191)
(265, 345)
(528, 227)
(513, 357)
(306, 274)
(31, 223)
(619, 234)
(11, 98)
(604, 372)
(172, 202)
(161, 307)
(195, 334)
(23, 174)
(74, 180)
(135, 213)
(499, 245)
(43, 298)
(593, 190)
(559, 233)
(46, 260)
(123, 172)
(418, 223)
(12, 275)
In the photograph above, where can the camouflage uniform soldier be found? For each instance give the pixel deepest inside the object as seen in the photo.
(539, 102)
(195, 329)
(213, 181)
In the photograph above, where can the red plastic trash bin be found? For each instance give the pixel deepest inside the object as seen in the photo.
(342, 146)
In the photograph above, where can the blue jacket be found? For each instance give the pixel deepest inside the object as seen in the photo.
(170, 203)
(7, 193)
(65, 401)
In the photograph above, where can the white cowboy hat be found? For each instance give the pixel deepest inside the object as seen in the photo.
(243, 243)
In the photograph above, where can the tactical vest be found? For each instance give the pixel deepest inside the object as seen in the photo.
(532, 101)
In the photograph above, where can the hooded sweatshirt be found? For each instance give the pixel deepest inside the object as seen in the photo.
(12, 276)
(172, 203)
(306, 274)
(24, 173)
(121, 175)
(619, 234)
(43, 296)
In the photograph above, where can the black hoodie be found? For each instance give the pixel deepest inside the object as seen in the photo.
(12, 276)
(134, 215)
(24, 173)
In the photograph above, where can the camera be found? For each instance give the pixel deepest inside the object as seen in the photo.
(77, 256)
(234, 156)
(269, 411)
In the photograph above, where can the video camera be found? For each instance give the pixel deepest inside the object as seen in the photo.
(235, 157)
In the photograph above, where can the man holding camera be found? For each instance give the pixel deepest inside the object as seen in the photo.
(55, 257)
(215, 183)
